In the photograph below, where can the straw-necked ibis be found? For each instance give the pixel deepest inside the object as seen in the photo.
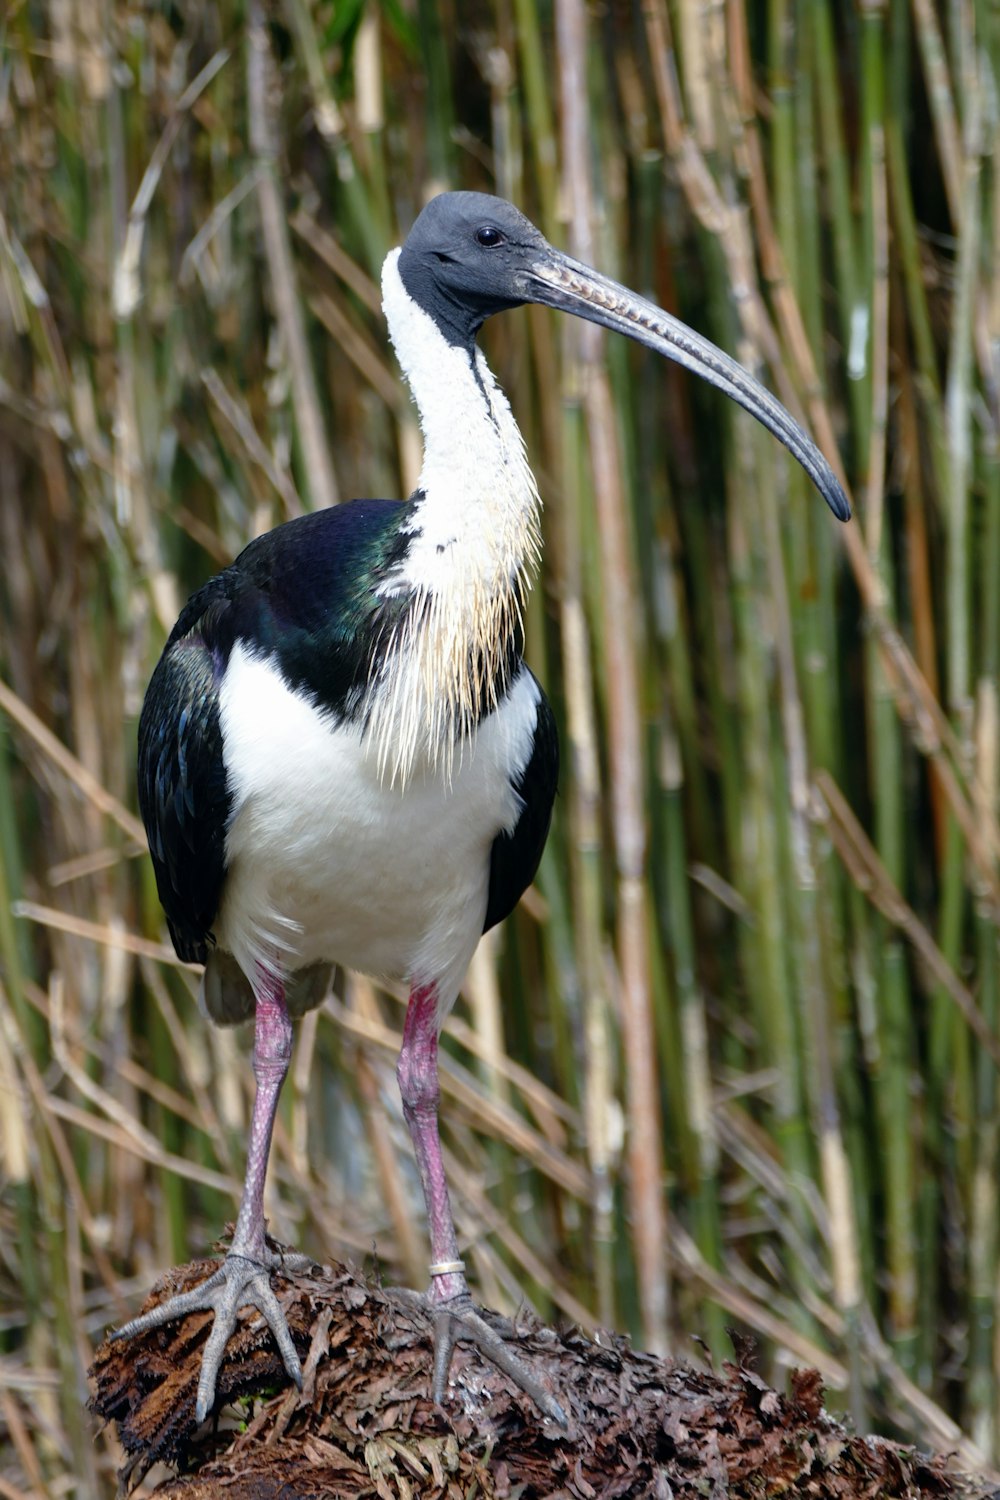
(342, 755)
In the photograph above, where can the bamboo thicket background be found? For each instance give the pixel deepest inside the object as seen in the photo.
(734, 1060)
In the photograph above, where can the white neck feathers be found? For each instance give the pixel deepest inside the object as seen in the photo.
(474, 550)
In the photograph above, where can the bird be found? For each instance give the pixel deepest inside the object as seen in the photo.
(343, 757)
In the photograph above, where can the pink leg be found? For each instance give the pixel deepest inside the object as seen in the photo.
(244, 1278)
(272, 1051)
(454, 1315)
(417, 1073)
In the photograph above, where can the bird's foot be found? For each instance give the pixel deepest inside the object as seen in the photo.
(455, 1318)
(241, 1281)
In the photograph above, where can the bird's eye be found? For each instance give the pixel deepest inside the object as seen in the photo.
(489, 236)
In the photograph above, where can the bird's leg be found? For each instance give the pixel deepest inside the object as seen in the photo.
(417, 1073)
(455, 1317)
(272, 1052)
(244, 1278)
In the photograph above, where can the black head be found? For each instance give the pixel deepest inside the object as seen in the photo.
(467, 257)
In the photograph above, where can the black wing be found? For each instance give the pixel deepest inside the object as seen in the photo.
(514, 856)
(304, 592)
(183, 796)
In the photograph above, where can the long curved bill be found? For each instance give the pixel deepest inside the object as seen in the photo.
(559, 281)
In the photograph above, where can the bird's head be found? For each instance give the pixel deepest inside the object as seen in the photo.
(470, 255)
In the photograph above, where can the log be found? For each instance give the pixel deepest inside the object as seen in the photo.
(364, 1424)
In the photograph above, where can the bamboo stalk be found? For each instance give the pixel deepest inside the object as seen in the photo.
(628, 817)
(320, 481)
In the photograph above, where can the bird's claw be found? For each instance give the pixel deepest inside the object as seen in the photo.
(241, 1281)
(458, 1319)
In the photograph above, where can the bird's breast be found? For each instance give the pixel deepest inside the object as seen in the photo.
(327, 858)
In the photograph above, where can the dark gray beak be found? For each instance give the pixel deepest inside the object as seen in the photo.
(559, 281)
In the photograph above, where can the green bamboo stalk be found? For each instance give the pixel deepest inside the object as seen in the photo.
(319, 480)
(811, 560)
(678, 927)
(984, 1239)
(759, 858)
(785, 145)
(958, 400)
(906, 239)
(541, 132)
(893, 1081)
(807, 261)
(362, 186)
(949, 1083)
(845, 250)
(807, 972)
(20, 1020)
(859, 1059)
(440, 112)
(625, 748)
(587, 882)
(941, 98)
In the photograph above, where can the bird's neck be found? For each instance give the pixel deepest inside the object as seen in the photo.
(475, 539)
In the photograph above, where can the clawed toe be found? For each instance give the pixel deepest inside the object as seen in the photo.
(238, 1282)
(458, 1319)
